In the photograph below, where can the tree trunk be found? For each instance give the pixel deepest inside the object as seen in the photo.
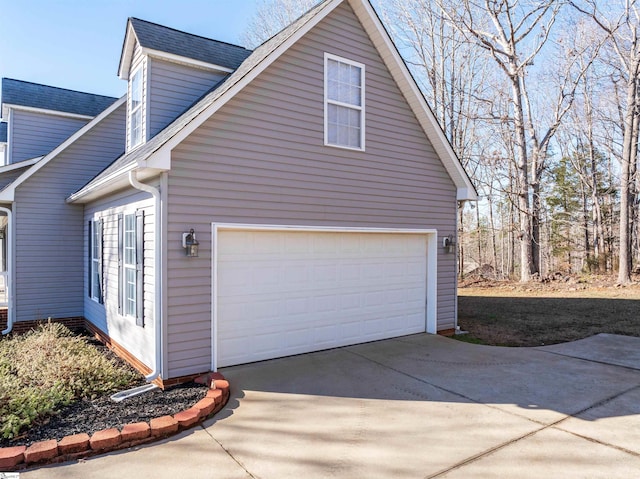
(629, 144)
(536, 208)
(526, 257)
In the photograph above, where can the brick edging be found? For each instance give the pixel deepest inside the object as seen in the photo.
(82, 445)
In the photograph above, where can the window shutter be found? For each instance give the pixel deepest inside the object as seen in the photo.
(89, 254)
(120, 261)
(99, 225)
(140, 267)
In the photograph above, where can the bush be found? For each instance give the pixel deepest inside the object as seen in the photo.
(49, 368)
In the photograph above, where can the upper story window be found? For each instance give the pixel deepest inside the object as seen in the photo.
(135, 109)
(344, 102)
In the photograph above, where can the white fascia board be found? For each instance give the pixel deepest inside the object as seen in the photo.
(128, 45)
(9, 192)
(248, 78)
(399, 71)
(171, 57)
(109, 183)
(118, 180)
(47, 112)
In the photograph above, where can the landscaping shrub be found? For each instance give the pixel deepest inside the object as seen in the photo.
(48, 368)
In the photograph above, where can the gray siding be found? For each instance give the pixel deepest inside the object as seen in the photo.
(49, 232)
(36, 134)
(139, 341)
(173, 88)
(261, 159)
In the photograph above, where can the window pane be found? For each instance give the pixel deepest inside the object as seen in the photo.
(333, 88)
(332, 70)
(343, 136)
(354, 75)
(355, 96)
(343, 115)
(332, 112)
(95, 280)
(354, 137)
(354, 118)
(130, 291)
(136, 89)
(136, 127)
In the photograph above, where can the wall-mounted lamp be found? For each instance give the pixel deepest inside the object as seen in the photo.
(449, 243)
(190, 243)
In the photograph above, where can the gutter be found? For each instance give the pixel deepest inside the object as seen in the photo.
(157, 301)
(9, 266)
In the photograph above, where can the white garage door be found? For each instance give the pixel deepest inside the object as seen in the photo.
(281, 293)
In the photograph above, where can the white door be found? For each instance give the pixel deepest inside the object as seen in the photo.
(281, 293)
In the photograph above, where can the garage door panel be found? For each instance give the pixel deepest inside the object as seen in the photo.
(283, 292)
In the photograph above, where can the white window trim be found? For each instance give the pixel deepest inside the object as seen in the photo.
(141, 108)
(126, 266)
(96, 263)
(361, 108)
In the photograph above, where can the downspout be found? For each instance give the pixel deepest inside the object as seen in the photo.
(9, 266)
(157, 305)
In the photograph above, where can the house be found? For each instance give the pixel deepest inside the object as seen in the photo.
(293, 198)
(57, 140)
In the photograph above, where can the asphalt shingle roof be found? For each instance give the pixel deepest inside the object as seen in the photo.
(165, 39)
(3, 132)
(18, 92)
(251, 62)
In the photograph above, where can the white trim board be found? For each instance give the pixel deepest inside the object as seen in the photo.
(33, 109)
(431, 273)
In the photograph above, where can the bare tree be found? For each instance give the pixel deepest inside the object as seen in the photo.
(271, 16)
(514, 34)
(621, 23)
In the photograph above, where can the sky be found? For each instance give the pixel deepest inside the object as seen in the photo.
(76, 44)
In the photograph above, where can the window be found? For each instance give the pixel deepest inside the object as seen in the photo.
(130, 265)
(135, 109)
(95, 260)
(344, 103)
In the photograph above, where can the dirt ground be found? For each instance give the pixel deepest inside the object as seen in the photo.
(542, 313)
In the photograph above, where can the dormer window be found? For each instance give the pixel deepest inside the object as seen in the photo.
(135, 109)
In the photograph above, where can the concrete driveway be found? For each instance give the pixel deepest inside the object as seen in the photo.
(414, 407)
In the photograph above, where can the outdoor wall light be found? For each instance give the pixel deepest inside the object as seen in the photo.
(449, 243)
(190, 243)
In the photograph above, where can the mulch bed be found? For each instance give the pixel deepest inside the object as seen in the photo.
(103, 413)
(89, 416)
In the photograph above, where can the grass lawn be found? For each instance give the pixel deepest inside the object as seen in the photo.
(504, 314)
(48, 368)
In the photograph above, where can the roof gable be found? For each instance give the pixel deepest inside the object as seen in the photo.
(155, 153)
(7, 194)
(158, 39)
(44, 97)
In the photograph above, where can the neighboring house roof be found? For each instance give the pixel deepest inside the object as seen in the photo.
(44, 97)
(155, 154)
(157, 38)
(8, 193)
(3, 132)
